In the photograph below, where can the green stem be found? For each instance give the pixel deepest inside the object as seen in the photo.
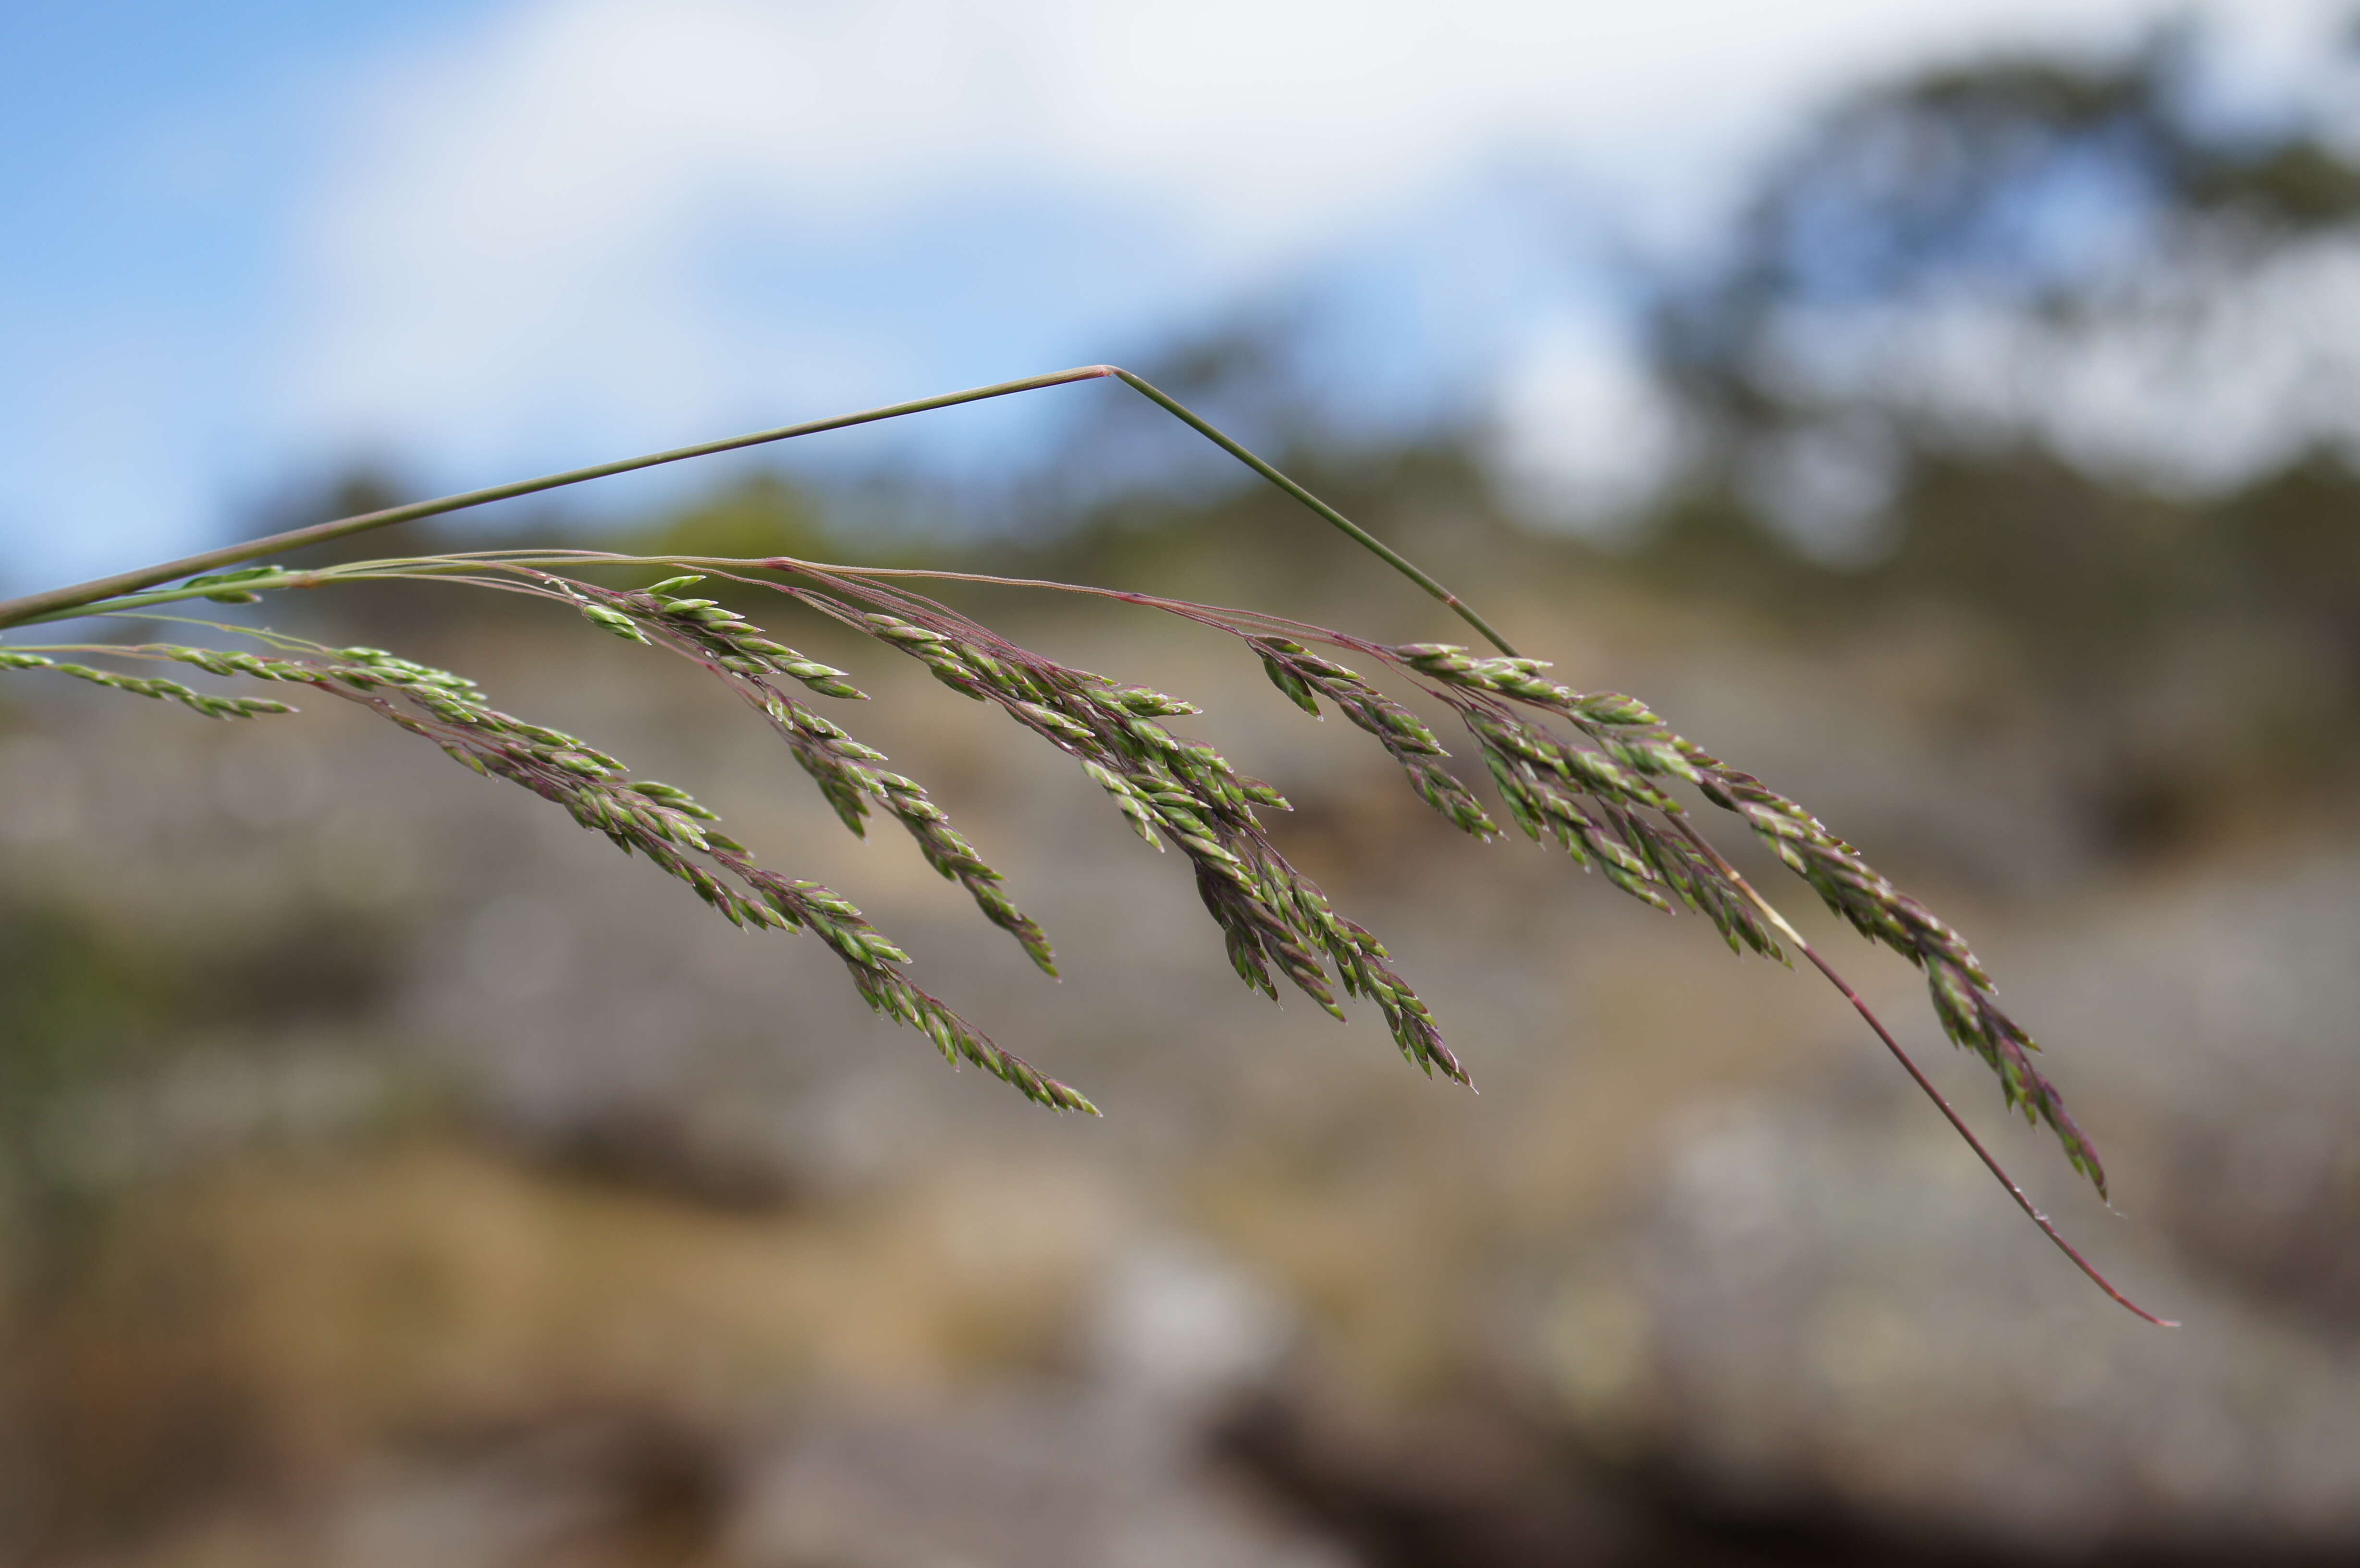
(124, 589)
(1359, 535)
(57, 602)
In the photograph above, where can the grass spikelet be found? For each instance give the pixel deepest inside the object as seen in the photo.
(1305, 676)
(210, 704)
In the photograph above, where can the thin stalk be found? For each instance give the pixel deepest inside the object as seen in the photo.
(1688, 830)
(56, 600)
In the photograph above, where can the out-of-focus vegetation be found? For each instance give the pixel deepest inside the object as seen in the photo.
(2052, 356)
(392, 1176)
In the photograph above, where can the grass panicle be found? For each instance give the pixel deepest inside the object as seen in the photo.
(1621, 746)
(1598, 774)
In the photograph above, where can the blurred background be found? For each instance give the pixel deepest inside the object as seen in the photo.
(1950, 412)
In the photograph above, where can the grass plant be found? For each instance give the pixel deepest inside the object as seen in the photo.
(1597, 774)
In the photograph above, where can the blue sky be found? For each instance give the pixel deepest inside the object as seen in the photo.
(155, 166)
(481, 239)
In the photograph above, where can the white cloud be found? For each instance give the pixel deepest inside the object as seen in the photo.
(1583, 438)
(2196, 378)
(552, 228)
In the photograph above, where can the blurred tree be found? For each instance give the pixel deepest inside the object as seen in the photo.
(1991, 336)
(2055, 345)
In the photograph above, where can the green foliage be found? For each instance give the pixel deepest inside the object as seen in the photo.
(759, 515)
